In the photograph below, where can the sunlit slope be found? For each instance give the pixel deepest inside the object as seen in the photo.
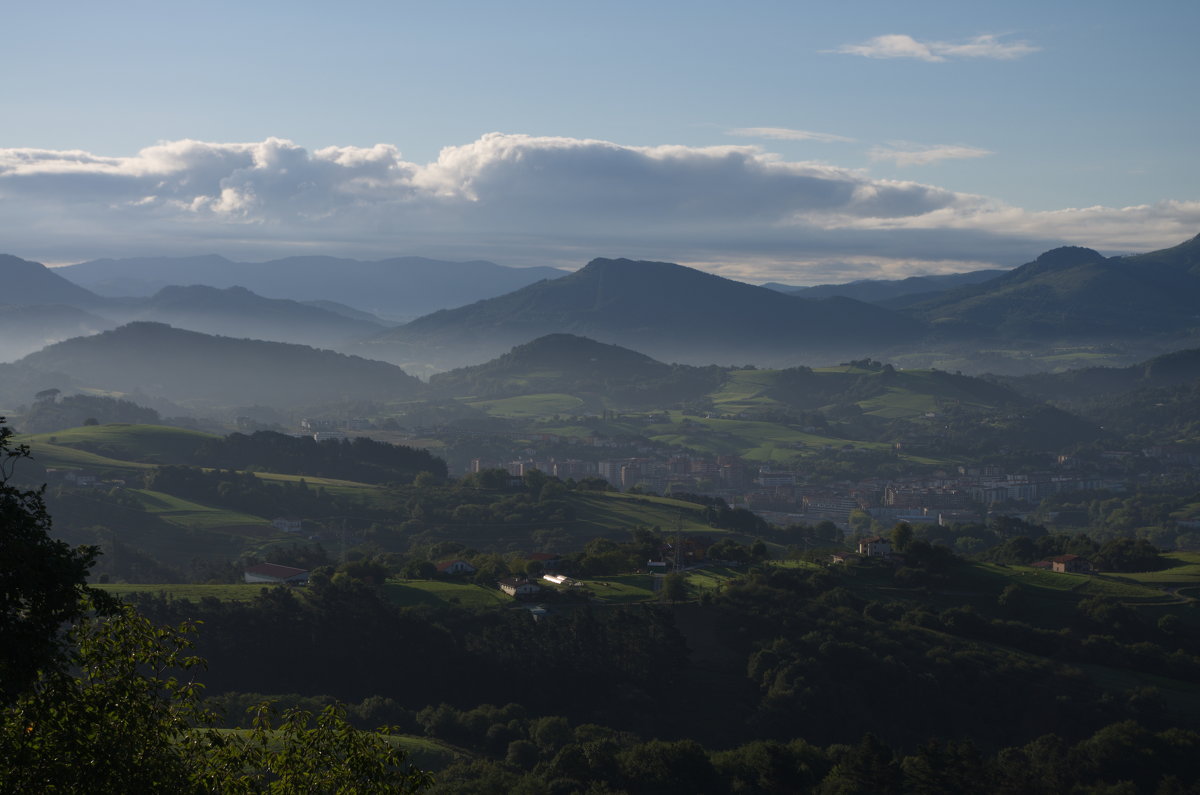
(145, 444)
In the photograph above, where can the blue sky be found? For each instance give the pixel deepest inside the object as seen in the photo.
(800, 142)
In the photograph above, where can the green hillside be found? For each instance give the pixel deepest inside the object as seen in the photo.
(1075, 292)
(200, 369)
(143, 444)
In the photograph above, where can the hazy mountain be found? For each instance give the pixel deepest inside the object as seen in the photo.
(595, 371)
(349, 311)
(1171, 369)
(28, 328)
(1077, 292)
(190, 367)
(24, 282)
(879, 290)
(668, 311)
(237, 312)
(401, 287)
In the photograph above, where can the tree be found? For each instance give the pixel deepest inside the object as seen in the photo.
(42, 580)
(131, 720)
(120, 717)
(675, 587)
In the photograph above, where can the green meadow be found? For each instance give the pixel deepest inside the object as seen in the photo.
(413, 593)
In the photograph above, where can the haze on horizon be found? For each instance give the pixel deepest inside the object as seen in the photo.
(761, 142)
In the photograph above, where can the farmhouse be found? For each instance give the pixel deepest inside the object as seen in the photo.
(275, 574)
(455, 567)
(1071, 564)
(875, 547)
(287, 524)
(518, 588)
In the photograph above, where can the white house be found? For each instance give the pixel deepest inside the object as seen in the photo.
(875, 547)
(518, 588)
(271, 573)
(287, 525)
(455, 567)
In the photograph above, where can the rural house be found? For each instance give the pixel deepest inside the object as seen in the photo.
(1071, 564)
(875, 547)
(455, 567)
(518, 588)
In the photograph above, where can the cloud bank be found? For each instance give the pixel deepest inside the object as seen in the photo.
(519, 199)
(899, 45)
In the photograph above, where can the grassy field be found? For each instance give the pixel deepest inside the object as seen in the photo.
(375, 496)
(711, 578)
(54, 456)
(530, 406)
(225, 593)
(193, 592)
(623, 588)
(184, 513)
(745, 390)
(412, 593)
(612, 511)
(146, 444)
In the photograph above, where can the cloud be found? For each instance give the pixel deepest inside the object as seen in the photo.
(906, 154)
(785, 134)
(899, 45)
(523, 199)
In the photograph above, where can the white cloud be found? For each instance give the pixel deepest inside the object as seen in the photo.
(523, 199)
(899, 45)
(907, 154)
(785, 134)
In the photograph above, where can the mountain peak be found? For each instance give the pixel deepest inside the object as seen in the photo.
(1065, 256)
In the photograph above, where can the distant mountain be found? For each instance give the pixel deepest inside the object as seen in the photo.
(24, 283)
(1076, 292)
(194, 368)
(349, 311)
(237, 312)
(1168, 370)
(398, 288)
(28, 328)
(601, 374)
(874, 291)
(667, 311)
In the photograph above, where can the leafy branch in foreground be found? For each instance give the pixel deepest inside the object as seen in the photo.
(42, 580)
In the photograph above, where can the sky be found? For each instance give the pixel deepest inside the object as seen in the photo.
(799, 142)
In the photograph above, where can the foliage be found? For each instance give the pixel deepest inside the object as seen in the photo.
(359, 459)
(75, 410)
(127, 722)
(41, 580)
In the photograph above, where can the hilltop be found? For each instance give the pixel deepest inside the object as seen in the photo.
(668, 311)
(603, 375)
(1076, 292)
(193, 368)
(27, 282)
(238, 312)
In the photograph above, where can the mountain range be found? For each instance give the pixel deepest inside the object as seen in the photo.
(399, 288)
(875, 291)
(1120, 309)
(668, 311)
